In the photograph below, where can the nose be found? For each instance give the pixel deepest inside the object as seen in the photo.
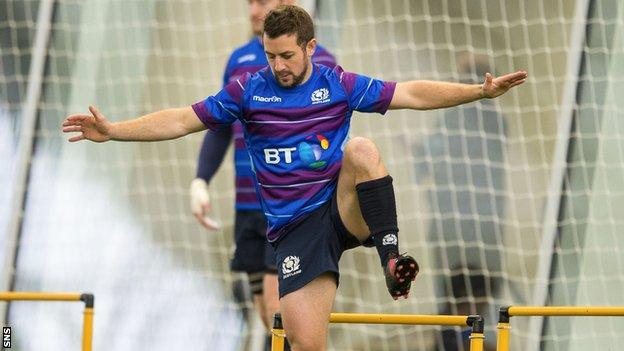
(279, 64)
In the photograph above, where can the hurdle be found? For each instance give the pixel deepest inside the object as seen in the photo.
(505, 313)
(87, 298)
(473, 321)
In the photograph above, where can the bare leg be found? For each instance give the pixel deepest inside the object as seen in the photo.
(271, 299)
(305, 313)
(361, 162)
(364, 174)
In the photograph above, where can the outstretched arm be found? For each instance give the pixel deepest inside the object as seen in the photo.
(161, 125)
(428, 95)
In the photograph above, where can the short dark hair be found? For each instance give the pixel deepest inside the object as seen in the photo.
(289, 19)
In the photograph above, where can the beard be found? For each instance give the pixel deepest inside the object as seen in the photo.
(296, 79)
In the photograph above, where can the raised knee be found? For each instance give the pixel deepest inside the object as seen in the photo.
(360, 149)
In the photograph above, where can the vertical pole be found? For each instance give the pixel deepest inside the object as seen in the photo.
(558, 169)
(25, 144)
(503, 327)
(502, 338)
(87, 330)
(87, 327)
(476, 336)
(277, 333)
(476, 341)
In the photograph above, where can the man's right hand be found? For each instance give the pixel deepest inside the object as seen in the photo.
(200, 204)
(94, 127)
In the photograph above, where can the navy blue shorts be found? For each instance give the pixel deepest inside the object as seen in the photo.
(253, 253)
(312, 246)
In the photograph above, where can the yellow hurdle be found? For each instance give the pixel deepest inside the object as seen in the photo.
(474, 321)
(505, 314)
(88, 299)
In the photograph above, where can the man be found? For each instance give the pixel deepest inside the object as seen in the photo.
(253, 254)
(321, 193)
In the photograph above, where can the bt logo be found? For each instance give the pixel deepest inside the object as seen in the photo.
(272, 156)
(309, 151)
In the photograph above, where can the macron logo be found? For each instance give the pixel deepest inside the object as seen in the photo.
(267, 99)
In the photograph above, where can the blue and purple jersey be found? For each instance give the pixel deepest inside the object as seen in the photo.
(248, 58)
(296, 136)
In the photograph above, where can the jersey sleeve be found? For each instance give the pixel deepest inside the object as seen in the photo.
(223, 108)
(366, 94)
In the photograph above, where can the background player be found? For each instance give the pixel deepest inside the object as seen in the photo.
(330, 196)
(253, 254)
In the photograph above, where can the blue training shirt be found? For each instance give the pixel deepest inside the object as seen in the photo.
(295, 136)
(248, 58)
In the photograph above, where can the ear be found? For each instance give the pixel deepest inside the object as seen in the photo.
(311, 47)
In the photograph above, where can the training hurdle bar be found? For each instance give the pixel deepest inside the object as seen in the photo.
(473, 321)
(88, 299)
(505, 314)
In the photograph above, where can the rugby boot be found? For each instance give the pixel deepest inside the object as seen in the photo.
(400, 271)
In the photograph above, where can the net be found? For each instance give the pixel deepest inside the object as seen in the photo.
(513, 201)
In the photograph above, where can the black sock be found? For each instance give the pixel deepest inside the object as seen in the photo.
(376, 198)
